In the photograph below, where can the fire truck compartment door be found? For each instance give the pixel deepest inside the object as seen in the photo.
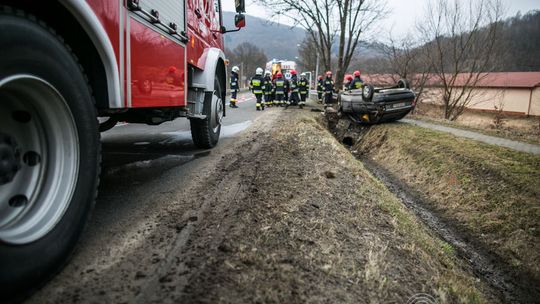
(156, 60)
(169, 11)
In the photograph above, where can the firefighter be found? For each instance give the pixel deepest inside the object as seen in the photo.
(294, 99)
(234, 86)
(328, 86)
(268, 88)
(279, 88)
(286, 93)
(348, 82)
(357, 82)
(320, 88)
(303, 88)
(256, 84)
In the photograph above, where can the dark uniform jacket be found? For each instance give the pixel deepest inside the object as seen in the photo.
(303, 86)
(356, 83)
(268, 87)
(294, 84)
(328, 85)
(257, 84)
(320, 84)
(279, 85)
(234, 81)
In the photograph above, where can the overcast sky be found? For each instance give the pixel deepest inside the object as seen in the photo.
(404, 13)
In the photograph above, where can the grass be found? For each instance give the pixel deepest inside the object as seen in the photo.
(453, 285)
(527, 135)
(492, 193)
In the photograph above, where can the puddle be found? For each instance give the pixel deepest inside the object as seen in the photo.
(226, 132)
(160, 163)
(231, 130)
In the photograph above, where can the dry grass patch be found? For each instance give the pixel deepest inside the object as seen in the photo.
(492, 193)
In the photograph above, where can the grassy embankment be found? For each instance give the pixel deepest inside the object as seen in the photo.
(491, 193)
(520, 128)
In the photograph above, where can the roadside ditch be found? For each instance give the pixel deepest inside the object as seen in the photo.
(481, 200)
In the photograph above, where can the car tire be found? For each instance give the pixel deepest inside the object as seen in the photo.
(403, 83)
(367, 92)
(205, 132)
(46, 106)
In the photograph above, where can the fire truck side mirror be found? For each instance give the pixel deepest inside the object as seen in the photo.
(240, 6)
(240, 21)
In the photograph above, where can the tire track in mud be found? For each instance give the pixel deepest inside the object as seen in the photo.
(181, 263)
(484, 264)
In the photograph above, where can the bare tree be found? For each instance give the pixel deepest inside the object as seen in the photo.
(248, 57)
(308, 58)
(461, 42)
(406, 59)
(331, 21)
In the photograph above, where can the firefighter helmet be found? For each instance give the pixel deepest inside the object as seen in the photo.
(293, 72)
(235, 69)
(356, 73)
(329, 73)
(258, 71)
(279, 75)
(303, 74)
(267, 73)
(320, 77)
(349, 77)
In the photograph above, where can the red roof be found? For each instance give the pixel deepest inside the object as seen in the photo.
(488, 80)
(511, 80)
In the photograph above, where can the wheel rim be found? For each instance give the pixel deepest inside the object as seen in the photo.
(366, 91)
(217, 117)
(37, 118)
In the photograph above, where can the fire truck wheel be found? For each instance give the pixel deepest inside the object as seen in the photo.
(49, 152)
(205, 132)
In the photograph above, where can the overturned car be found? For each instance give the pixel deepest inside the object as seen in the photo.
(371, 105)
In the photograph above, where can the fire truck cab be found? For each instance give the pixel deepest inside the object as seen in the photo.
(72, 68)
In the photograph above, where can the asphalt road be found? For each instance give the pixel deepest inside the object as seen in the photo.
(142, 166)
(131, 143)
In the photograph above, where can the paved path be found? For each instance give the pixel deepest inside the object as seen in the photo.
(492, 140)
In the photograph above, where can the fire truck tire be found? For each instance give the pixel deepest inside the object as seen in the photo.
(50, 129)
(205, 132)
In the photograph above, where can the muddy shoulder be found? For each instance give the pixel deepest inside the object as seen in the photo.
(489, 195)
(307, 222)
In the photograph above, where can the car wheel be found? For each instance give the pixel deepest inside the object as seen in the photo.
(367, 92)
(50, 151)
(339, 107)
(403, 83)
(205, 132)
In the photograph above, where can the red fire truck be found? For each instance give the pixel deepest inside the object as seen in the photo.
(63, 65)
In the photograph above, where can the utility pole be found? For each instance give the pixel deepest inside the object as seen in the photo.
(310, 76)
(242, 75)
(317, 67)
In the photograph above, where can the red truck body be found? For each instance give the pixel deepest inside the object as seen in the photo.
(70, 69)
(144, 53)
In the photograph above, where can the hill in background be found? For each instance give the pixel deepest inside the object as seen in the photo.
(277, 40)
